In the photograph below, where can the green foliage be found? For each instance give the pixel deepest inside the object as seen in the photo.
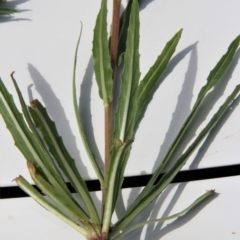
(101, 56)
(49, 162)
(6, 11)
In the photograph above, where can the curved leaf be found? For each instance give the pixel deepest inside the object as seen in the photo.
(148, 197)
(79, 122)
(49, 132)
(141, 224)
(31, 191)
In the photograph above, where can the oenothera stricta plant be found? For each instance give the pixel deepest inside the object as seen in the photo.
(48, 160)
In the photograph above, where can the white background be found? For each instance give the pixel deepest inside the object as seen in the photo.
(39, 46)
(39, 43)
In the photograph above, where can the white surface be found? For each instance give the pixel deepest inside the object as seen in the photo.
(39, 47)
(217, 218)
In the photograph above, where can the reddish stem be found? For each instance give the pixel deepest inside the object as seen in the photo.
(108, 109)
(114, 36)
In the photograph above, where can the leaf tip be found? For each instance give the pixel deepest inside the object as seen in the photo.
(211, 191)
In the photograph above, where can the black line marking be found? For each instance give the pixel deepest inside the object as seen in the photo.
(140, 181)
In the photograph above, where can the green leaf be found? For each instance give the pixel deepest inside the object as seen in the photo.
(79, 122)
(212, 79)
(124, 24)
(116, 155)
(141, 224)
(7, 11)
(149, 82)
(26, 141)
(144, 93)
(62, 200)
(16, 124)
(101, 56)
(219, 69)
(123, 29)
(49, 132)
(145, 199)
(126, 108)
(145, 89)
(27, 115)
(125, 115)
(30, 190)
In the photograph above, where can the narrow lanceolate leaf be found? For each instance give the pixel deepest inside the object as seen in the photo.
(31, 191)
(126, 108)
(25, 112)
(208, 193)
(56, 146)
(149, 82)
(101, 56)
(126, 111)
(79, 122)
(16, 124)
(37, 136)
(145, 199)
(145, 90)
(124, 24)
(125, 115)
(212, 79)
(116, 156)
(26, 141)
(123, 28)
(219, 69)
(62, 200)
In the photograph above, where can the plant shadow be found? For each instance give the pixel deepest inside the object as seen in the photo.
(213, 133)
(182, 108)
(143, 3)
(52, 102)
(184, 100)
(120, 208)
(85, 107)
(14, 5)
(202, 113)
(157, 233)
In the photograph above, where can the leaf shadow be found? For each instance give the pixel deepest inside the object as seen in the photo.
(120, 208)
(171, 65)
(169, 208)
(202, 113)
(213, 133)
(85, 107)
(143, 3)
(155, 231)
(158, 233)
(182, 108)
(208, 103)
(52, 103)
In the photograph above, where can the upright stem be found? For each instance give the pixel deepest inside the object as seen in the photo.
(108, 142)
(108, 108)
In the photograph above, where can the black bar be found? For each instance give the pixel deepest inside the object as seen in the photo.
(140, 181)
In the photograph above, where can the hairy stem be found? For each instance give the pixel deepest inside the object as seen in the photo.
(108, 142)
